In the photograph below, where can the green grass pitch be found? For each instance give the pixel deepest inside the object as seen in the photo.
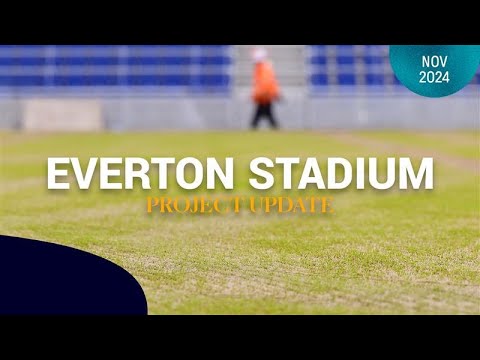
(410, 252)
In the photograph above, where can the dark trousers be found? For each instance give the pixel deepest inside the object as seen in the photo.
(264, 110)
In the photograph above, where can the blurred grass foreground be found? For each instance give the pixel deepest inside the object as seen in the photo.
(409, 252)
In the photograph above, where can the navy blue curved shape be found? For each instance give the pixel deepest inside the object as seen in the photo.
(42, 278)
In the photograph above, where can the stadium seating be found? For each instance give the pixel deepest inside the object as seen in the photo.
(168, 69)
(333, 67)
(337, 66)
(188, 69)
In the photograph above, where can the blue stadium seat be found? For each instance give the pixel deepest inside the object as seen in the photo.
(346, 79)
(370, 60)
(85, 80)
(212, 60)
(86, 61)
(319, 80)
(345, 60)
(158, 80)
(356, 66)
(318, 60)
(375, 79)
(213, 80)
(178, 60)
(23, 61)
(191, 68)
(159, 61)
(13, 81)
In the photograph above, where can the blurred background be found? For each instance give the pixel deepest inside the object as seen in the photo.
(391, 252)
(203, 87)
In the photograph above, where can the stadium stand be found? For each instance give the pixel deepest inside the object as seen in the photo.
(168, 69)
(143, 87)
(188, 69)
(335, 67)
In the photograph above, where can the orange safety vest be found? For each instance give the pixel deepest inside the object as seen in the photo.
(265, 85)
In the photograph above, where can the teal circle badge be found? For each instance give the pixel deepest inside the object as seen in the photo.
(435, 70)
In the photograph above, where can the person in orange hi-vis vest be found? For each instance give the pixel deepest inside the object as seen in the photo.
(265, 88)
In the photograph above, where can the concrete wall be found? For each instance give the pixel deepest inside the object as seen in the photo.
(167, 114)
(298, 112)
(79, 115)
(10, 114)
